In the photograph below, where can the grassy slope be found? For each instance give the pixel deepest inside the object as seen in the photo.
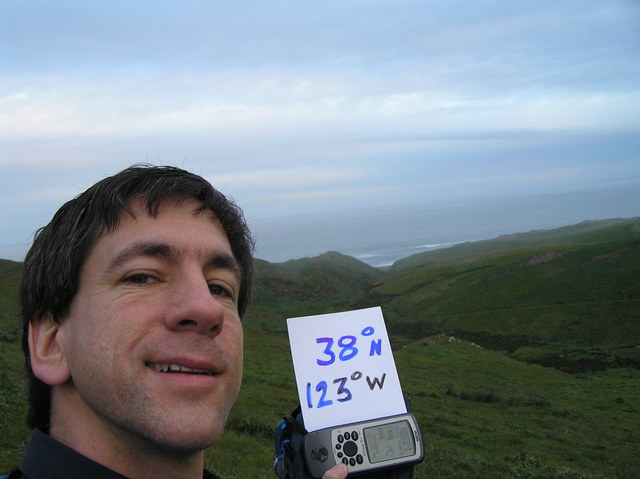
(13, 434)
(13, 400)
(551, 292)
(482, 412)
(585, 232)
(303, 287)
(576, 303)
(10, 273)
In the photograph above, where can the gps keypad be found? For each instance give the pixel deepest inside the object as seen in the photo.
(347, 448)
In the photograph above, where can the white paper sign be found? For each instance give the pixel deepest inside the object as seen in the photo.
(344, 368)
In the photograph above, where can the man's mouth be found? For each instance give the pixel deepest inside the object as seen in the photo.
(175, 368)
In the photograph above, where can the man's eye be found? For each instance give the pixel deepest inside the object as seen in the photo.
(218, 290)
(138, 278)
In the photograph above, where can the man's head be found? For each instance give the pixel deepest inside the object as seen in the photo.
(181, 228)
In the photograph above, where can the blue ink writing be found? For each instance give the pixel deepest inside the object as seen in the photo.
(322, 388)
(342, 392)
(368, 331)
(327, 351)
(347, 348)
(376, 347)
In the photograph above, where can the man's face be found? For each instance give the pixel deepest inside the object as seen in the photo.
(153, 340)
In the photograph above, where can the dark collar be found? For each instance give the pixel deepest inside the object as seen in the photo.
(47, 458)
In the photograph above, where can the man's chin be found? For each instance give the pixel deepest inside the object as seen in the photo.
(183, 440)
(185, 444)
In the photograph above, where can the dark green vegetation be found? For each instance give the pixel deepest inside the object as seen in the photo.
(13, 435)
(521, 355)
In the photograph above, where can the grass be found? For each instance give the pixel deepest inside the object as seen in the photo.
(480, 403)
(575, 307)
(10, 273)
(13, 401)
(13, 433)
(520, 355)
(482, 414)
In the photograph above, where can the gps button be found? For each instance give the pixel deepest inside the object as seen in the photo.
(350, 448)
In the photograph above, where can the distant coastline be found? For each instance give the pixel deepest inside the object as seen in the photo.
(382, 236)
(379, 237)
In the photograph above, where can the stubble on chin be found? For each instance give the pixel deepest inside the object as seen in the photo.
(139, 420)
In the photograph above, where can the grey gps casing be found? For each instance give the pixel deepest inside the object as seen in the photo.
(365, 446)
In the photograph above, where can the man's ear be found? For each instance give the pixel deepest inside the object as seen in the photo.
(48, 360)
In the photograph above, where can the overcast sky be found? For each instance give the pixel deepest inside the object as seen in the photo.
(295, 106)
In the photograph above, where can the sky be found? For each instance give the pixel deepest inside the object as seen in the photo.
(294, 107)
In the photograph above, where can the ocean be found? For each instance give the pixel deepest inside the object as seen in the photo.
(384, 235)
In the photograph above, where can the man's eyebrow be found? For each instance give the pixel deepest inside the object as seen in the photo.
(142, 249)
(215, 260)
(224, 261)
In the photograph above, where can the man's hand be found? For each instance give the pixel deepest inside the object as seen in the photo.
(338, 471)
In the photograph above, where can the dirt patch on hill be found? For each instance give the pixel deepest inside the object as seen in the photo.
(545, 258)
(612, 255)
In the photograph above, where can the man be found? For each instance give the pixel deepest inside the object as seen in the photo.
(132, 300)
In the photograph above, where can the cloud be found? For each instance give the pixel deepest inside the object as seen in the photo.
(259, 188)
(307, 106)
(284, 108)
(330, 72)
(53, 194)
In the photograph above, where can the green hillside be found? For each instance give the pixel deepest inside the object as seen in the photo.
(482, 414)
(585, 232)
(575, 305)
(12, 392)
(521, 354)
(10, 273)
(307, 286)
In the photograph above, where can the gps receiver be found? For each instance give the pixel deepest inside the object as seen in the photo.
(388, 442)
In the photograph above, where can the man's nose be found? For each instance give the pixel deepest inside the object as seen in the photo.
(192, 307)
